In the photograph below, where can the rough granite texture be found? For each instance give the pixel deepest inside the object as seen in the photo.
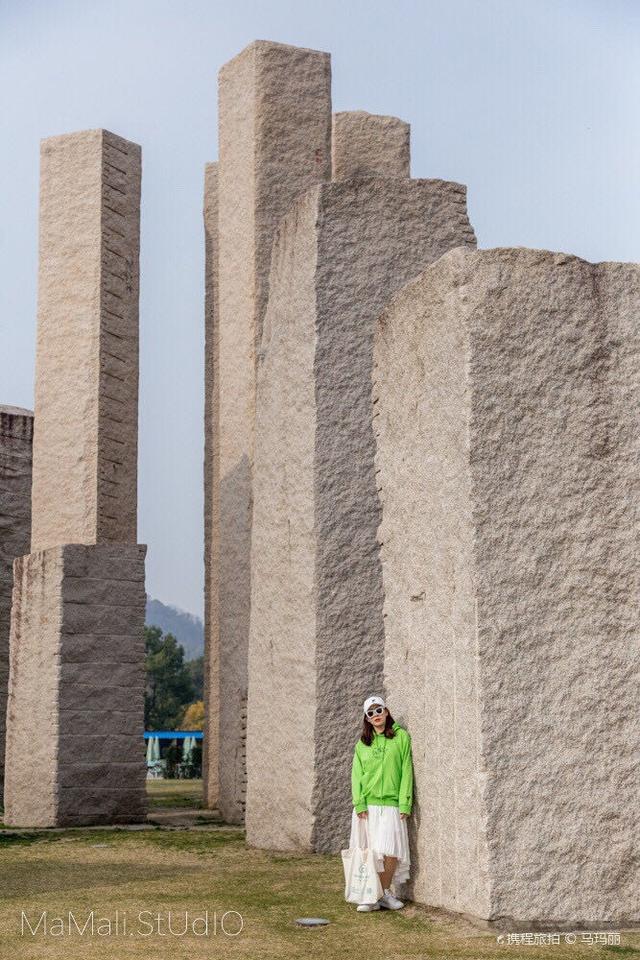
(86, 395)
(316, 641)
(77, 670)
(274, 142)
(507, 388)
(16, 438)
(210, 772)
(369, 145)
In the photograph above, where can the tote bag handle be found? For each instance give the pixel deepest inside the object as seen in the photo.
(363, 832)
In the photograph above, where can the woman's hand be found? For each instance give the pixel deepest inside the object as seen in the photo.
(403, 816)
(363, 815)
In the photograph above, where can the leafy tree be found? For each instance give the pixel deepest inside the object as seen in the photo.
(196, 669)
(169, 687)
(194, 716)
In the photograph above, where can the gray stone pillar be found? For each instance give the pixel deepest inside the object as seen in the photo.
(274, 141)
(210, 771)
(16, 437)
(77, 621)
(369, 145)
(75, 746)
(316, 643)
(506, 384)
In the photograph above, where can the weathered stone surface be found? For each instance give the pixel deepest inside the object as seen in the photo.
(210, 770)
(16, 438)
(274, 141)
(316, 602)
(369, 145)
(66, 688)
(86, 395)
(507, 388)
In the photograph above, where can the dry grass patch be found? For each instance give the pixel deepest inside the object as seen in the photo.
(181, 870)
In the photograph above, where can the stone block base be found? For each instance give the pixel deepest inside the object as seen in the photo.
(75, 720)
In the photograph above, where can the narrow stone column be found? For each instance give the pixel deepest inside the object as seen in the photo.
(506, 385)
(274, 141)
(16, 438)
(86, 392)
(210, 771)
(316, 643)
(77, 619)
(369, 145)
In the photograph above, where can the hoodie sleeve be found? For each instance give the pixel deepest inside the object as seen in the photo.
(357, 795)
(405, 799)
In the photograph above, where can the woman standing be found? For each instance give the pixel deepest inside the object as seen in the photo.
(382, 793)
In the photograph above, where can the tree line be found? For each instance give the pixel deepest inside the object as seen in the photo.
(174, 691)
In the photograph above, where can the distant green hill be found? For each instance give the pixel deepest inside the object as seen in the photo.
(186, 628)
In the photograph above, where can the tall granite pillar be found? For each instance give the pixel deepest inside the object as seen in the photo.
(274, 142)
(86, 391)
(316, 643)
(77, 620)
(16, 438)
(210, 771)
(506, 386)
(369, 145)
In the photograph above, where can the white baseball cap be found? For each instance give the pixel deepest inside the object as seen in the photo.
(369, 702)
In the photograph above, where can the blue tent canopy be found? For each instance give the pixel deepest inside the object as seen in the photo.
(172, 734)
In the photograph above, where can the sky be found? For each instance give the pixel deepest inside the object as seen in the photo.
(533, 104)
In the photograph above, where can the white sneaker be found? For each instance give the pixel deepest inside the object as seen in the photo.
(389, 902)
(366, 907)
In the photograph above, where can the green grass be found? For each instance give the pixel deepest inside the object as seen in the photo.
(174, 793)
(177, 870)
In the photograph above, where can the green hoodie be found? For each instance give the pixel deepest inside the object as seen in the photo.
(383, 773)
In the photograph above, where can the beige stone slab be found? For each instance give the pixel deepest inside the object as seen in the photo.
(369, 145)
(35, 672)
(316, 638)
(505, 383)
(211, 751)
(274, 135)
(86, 392)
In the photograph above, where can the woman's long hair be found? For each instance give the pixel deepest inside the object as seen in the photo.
(367, 729)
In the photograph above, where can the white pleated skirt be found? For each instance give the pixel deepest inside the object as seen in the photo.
(387, 834)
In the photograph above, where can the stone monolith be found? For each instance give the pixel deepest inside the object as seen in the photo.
(274, 141)
(505, 388)
(86, 390)
(316, 642)
(369, 145)
(75, 716)
(16, 437)
(210, 771)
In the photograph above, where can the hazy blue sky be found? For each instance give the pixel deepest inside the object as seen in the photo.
(534, 104)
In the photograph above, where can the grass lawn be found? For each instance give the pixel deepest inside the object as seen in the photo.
(163, 871)
(174, 793)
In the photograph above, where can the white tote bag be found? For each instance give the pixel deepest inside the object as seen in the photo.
(361, 879)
